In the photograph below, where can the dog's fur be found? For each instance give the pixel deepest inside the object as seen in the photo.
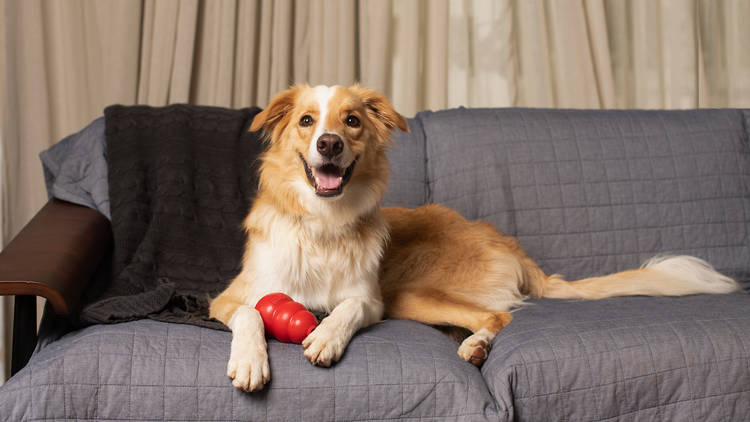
(325, 241)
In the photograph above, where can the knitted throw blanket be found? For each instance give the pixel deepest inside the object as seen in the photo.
(181, 181)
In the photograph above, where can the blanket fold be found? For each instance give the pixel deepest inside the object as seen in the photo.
(181, 180)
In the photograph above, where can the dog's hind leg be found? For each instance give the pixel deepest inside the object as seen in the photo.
(435, 307)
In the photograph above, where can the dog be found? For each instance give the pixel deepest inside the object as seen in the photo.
(316, 232)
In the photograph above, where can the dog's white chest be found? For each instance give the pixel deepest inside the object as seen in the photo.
(314, 268)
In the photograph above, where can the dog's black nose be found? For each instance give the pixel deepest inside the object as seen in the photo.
(330, 145)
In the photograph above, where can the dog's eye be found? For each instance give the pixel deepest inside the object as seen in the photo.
(306, 121)
(352, 121)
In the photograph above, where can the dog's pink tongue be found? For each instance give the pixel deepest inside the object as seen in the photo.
(327, 181)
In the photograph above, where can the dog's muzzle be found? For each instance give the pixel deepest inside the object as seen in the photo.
(329, 179)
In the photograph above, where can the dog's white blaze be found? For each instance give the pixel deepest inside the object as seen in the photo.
(323, 95)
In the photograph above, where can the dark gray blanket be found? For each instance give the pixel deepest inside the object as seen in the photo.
(181, 179)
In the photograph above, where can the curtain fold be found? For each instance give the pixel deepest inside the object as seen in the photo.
(245, 61)
(213, 69)
(5, 302)
(724, 56)
(375, 39)
(480, 55)
(166, 51)
(535, 81)
(733, 25)
(28, 127)
(405, 89)
(62, 62)
(598, 40)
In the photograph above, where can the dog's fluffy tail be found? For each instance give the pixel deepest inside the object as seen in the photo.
(659, 276)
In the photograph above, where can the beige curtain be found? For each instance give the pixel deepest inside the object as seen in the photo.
(63, 61)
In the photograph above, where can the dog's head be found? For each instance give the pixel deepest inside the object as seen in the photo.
(328, 143)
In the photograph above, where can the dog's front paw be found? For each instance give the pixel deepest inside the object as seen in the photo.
(248, 368)
(475, 349)
(324, 345)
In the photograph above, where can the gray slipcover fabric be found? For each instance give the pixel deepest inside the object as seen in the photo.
(75, 169)
(587, 192)
(149, 370)
(407, 185)
(631, 359)
(661, 359)
(594, 192)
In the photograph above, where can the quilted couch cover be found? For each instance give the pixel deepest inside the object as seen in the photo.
(586, 192)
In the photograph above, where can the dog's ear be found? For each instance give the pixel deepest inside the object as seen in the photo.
(276, 112)
(380, 111)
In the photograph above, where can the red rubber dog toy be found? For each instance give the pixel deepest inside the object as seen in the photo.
(285, 319)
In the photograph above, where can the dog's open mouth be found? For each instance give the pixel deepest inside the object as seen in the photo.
(329, 179)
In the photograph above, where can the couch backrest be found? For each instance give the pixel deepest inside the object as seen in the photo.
(590, 192)
(586, 192)
(407, 185)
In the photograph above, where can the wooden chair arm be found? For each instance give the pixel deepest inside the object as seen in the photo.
(56, 255)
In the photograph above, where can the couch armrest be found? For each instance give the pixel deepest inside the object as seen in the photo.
(56, 255)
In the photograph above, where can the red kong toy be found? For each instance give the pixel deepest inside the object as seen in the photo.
(285, 319)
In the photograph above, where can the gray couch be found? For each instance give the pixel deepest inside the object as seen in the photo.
(586, 192)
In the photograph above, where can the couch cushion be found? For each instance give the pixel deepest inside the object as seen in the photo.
(638, 358)
(148, 370)
(592, 192)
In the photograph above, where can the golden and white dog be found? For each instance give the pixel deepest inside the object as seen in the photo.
(317, 233)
